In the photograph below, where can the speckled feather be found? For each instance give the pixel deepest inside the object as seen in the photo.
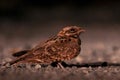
(64, 46)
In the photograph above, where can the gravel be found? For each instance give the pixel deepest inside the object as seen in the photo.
(101, 71)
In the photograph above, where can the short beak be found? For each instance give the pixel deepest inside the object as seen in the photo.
(82, 30)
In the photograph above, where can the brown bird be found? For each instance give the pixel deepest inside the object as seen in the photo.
(64, 46)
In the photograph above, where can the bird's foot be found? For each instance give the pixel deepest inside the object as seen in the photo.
(59, 65)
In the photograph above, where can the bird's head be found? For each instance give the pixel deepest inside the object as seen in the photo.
(71, 31)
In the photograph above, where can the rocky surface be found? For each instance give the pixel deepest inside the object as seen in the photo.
(71, 72)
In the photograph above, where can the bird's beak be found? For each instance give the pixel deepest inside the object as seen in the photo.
(82, 31)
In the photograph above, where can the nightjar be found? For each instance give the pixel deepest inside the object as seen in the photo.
(64, 46)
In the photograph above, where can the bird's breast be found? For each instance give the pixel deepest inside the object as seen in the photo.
(70, 49)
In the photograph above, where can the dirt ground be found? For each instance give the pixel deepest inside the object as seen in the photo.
(54, 73)
(98, 60)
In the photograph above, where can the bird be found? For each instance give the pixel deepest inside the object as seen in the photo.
(64, 46)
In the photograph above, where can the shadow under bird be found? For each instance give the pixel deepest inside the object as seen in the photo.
(63, 46)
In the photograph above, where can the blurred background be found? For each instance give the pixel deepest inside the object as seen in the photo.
(25, 23)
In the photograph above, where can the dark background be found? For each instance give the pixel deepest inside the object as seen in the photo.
(19, 15)
(28, 22)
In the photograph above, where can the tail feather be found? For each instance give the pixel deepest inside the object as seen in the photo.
(20, 56)
(20, 53)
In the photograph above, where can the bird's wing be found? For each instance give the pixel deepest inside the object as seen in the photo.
(58, 49)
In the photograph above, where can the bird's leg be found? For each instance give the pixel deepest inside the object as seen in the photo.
(59, 65)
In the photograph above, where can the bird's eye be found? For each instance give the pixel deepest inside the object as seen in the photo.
(72, 30)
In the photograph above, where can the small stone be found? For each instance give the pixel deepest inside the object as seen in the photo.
(7, 65)
(83, 68)
(37, 66)
(86, 72)
(90, 68)
(105, 71)
(99, 67)
(6, 60)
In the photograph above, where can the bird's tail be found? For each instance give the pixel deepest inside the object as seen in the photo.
(20, 56)
(20, 53)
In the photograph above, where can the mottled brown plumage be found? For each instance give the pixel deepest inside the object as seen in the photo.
(64, 46)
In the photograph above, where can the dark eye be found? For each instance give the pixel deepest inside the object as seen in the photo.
(72, 30)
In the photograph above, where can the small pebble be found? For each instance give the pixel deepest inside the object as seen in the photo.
(83, 68)
(85, 71)
(37, 66)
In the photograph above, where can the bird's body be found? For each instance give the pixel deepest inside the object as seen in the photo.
(64, 46)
